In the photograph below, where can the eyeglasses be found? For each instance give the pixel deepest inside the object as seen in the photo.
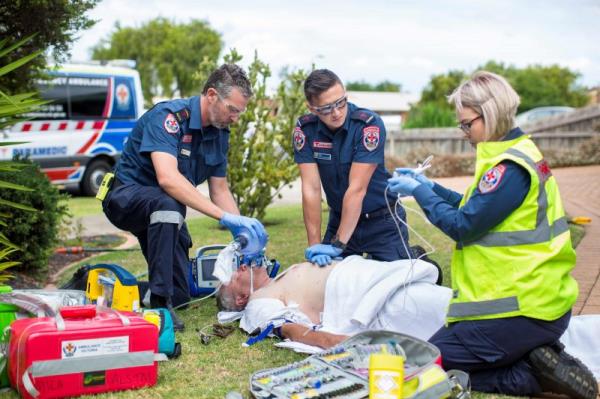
(231, 108)
(466, 126)
(327, 109)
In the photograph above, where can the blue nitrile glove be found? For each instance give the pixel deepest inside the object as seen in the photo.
(322, 249)
(403, 184)
(236, 223)
(419, 176)
(321, 260)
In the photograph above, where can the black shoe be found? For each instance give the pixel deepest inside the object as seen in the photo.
(418, 252)
(157, 301)
(561, 373)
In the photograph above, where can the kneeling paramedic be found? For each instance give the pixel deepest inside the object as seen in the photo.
(511, 268)
(174, 147)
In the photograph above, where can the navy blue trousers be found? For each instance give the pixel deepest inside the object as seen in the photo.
(494, 351)
(377, 237)
(157, 220)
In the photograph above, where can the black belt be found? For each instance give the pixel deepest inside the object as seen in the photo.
(378, 213)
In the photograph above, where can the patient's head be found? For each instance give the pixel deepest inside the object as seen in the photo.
(234, 296)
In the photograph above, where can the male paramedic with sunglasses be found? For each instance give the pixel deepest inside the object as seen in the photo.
(341, 147)
(174, 147)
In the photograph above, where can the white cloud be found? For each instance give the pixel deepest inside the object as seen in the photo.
(402, 41)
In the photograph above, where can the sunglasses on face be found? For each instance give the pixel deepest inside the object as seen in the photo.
(466, 126)
(232, 109)
(328, 109)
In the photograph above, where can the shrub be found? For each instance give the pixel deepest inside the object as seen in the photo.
(35, 233)
(260, 160)
(443, 165)
(447, 165)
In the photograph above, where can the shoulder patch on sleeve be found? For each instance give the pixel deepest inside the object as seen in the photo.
(306, 119)
(491, 179)
(363, 115)
(370, 137)
(170, 124)
(543, 170)
(299, 139)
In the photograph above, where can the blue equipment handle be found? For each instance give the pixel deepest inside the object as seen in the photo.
(124, 276)
(274, 269)
(207, 248)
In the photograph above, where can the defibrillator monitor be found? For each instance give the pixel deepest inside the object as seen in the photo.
(207, 266)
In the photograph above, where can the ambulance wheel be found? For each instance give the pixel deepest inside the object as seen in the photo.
(94, 173)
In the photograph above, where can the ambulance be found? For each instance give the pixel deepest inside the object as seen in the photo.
(79, 135)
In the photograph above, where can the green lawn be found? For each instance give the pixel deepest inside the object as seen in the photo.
(84, 206)
(210, 371)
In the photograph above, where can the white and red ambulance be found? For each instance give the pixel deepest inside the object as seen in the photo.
(79, 135)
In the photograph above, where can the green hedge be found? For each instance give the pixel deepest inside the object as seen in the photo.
(34, 232)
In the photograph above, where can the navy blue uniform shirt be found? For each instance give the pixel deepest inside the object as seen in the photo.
(360, 139)
(200, 152)
(483, 210)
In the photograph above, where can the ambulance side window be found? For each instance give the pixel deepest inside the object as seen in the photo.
(88, 97)
(54, 90)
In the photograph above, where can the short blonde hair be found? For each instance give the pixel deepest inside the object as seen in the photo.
(491, 96)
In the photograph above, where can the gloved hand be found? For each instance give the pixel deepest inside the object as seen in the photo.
(419, 176)
(322, 249)
(321, 260)
(403, 184)
(236, 223)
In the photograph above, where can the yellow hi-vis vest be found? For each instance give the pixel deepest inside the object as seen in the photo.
(522, 266)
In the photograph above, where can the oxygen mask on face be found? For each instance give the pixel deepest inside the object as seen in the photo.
(246, 249)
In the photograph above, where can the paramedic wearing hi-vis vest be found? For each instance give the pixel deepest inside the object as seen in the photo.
(174, 147)
(513, 290)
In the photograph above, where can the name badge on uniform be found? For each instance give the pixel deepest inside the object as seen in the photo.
(322, 155)
(185, 152)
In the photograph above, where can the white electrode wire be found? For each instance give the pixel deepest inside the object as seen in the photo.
(198, 299)
(397, 219)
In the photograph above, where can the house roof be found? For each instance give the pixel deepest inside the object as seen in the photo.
(383, 101)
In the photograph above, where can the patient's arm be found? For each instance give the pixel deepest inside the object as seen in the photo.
(305, 335)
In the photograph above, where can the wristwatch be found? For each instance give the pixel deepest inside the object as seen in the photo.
(336, 243)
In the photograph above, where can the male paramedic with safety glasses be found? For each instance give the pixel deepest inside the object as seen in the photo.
(341, 146)
(174, 147)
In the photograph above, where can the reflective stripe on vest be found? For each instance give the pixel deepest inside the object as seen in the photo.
(543, 232)
(482, 308)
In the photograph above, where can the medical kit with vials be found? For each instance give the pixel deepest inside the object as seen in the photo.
(344, 371)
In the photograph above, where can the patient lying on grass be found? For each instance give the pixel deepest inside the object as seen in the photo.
(321, 306)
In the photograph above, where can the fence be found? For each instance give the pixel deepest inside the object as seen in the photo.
(452, 141)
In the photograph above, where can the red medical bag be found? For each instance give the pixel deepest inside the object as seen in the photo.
(84, 351)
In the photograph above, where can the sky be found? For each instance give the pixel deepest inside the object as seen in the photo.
(402, 41)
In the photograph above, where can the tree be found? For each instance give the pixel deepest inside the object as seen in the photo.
(167, 54)
(56, 23)
(540, 85)
(430, 114)
(260, 160)
(385, 85)
(440, 87)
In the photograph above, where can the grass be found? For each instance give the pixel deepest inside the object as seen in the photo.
(84, 206)
(210, 371)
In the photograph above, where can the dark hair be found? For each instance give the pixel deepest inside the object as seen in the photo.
(225, 78)
(319, 81)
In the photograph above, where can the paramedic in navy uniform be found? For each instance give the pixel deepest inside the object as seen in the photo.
(340, 146)
(174, 147)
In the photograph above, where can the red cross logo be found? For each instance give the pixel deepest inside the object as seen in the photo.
(122, 93)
